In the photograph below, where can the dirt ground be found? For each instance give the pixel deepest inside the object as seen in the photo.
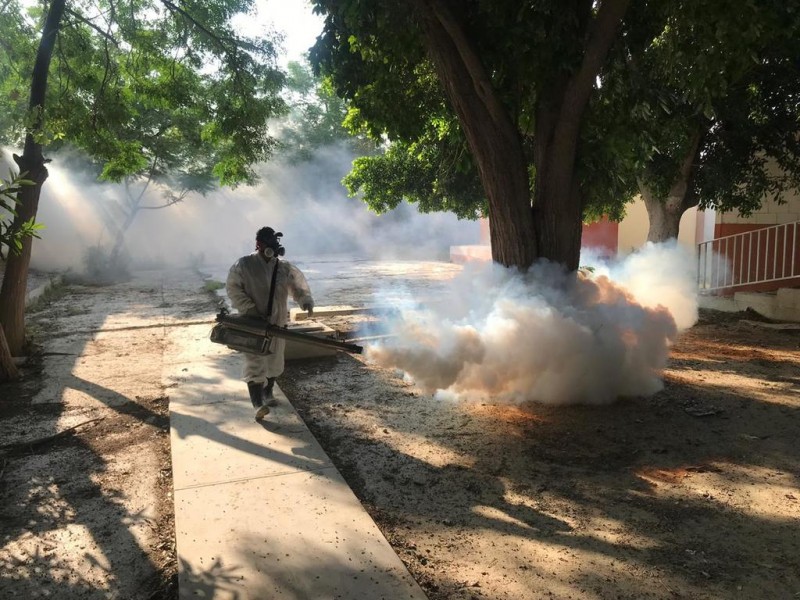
(86, 508)
(691, 493)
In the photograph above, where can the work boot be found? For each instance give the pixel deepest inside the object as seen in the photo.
(269, 398)
(254, 389)
(257, 398)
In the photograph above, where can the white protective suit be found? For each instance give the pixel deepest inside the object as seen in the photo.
(248, 287)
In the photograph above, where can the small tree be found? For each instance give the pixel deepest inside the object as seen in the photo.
(11, 239)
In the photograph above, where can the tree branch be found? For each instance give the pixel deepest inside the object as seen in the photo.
(688, 171)
(235, 45)
(686, 166)
(477, 72)
(41, 68)
(165, 205)
(147, 183)
(581, 84)
(87, 22)
(214, 38)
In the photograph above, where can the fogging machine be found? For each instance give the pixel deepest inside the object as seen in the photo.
(248, 334)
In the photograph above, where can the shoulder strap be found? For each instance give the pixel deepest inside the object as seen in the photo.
(272, 291)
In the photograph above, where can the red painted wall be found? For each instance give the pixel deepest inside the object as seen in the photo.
(602, 235)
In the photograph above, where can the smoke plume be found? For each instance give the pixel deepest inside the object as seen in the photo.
(306, 202)
(547, 335)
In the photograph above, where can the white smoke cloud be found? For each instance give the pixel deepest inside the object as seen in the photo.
(547, 335)
(662, 274)
(306, 202)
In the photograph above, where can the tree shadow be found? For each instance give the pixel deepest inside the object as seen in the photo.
(215, 580)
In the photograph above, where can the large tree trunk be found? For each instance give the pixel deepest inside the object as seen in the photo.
(520, 234)
(665, 214)
(558, 200)
(12, 294)
(558, 213)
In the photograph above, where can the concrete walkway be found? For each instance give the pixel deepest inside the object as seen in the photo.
(260, 510)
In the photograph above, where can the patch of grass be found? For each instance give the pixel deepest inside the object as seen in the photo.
(212, 285)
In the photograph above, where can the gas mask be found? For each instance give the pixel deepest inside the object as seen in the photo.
(270, 242)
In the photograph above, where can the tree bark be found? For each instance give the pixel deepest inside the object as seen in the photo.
(665, 214)
(8, 370)
(12, 293)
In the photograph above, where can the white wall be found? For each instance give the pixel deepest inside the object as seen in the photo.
(633, 228)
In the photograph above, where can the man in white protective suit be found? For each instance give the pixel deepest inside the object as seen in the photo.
(249, 288)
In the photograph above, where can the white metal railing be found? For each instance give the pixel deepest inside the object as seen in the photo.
(758, 256)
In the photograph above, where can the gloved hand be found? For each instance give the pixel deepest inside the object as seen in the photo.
(309, 308)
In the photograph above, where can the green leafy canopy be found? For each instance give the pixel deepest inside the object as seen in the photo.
(162, 91)
(727, 69)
